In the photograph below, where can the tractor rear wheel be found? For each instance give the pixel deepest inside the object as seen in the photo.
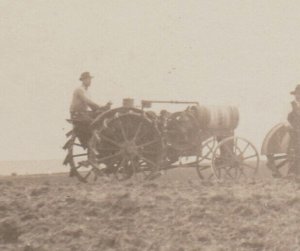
(127, 144)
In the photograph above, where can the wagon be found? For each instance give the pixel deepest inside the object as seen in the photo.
(279, 150)
(136, 142)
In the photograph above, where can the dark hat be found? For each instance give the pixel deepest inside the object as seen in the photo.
(296, 91)
(85, 75)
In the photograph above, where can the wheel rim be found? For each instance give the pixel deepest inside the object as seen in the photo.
(127, 144)
(235, 158)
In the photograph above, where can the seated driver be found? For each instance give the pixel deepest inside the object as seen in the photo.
(83, 109)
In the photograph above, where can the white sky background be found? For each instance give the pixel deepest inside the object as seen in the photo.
(243, 53)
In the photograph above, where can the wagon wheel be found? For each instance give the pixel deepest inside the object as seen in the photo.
(235, 158)
(127, 144)
(204, 160)
(282, 164)
(77, 158)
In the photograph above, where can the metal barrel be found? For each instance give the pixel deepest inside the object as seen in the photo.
(218, 117)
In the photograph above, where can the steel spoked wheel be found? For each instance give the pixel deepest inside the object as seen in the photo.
(127, 145)
(77, 158)
(204, 160)
(235, 158)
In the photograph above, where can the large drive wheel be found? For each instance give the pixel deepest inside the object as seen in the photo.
(125, 144)
(235, 158)
(203, 165)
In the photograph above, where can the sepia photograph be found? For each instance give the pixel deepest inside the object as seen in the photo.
(150, 125)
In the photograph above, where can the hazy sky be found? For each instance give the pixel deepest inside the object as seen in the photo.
(243, 53)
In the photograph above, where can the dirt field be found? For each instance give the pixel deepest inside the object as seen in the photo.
(175, 212)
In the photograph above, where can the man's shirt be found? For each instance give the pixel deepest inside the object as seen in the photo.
(81, 101)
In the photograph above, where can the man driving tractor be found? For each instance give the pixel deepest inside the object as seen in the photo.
(81, 103)
(83, 110)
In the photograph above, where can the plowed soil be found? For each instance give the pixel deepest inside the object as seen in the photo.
(57, 213)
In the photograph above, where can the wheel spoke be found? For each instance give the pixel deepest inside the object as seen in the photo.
(110, 140)
(206, 155)
(148, 152)
(124, 134)
(246, 147)
(148, 143)
(137, 131)
(237, 147)
(109, 157)
(250, 157)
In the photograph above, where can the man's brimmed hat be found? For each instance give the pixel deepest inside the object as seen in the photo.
(85, 75)
(296, 91)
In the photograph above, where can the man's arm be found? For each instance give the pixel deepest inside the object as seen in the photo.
(90, 103)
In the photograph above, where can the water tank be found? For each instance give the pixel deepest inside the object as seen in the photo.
(217, 117)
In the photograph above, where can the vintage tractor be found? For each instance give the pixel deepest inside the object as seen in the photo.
(131, 141)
